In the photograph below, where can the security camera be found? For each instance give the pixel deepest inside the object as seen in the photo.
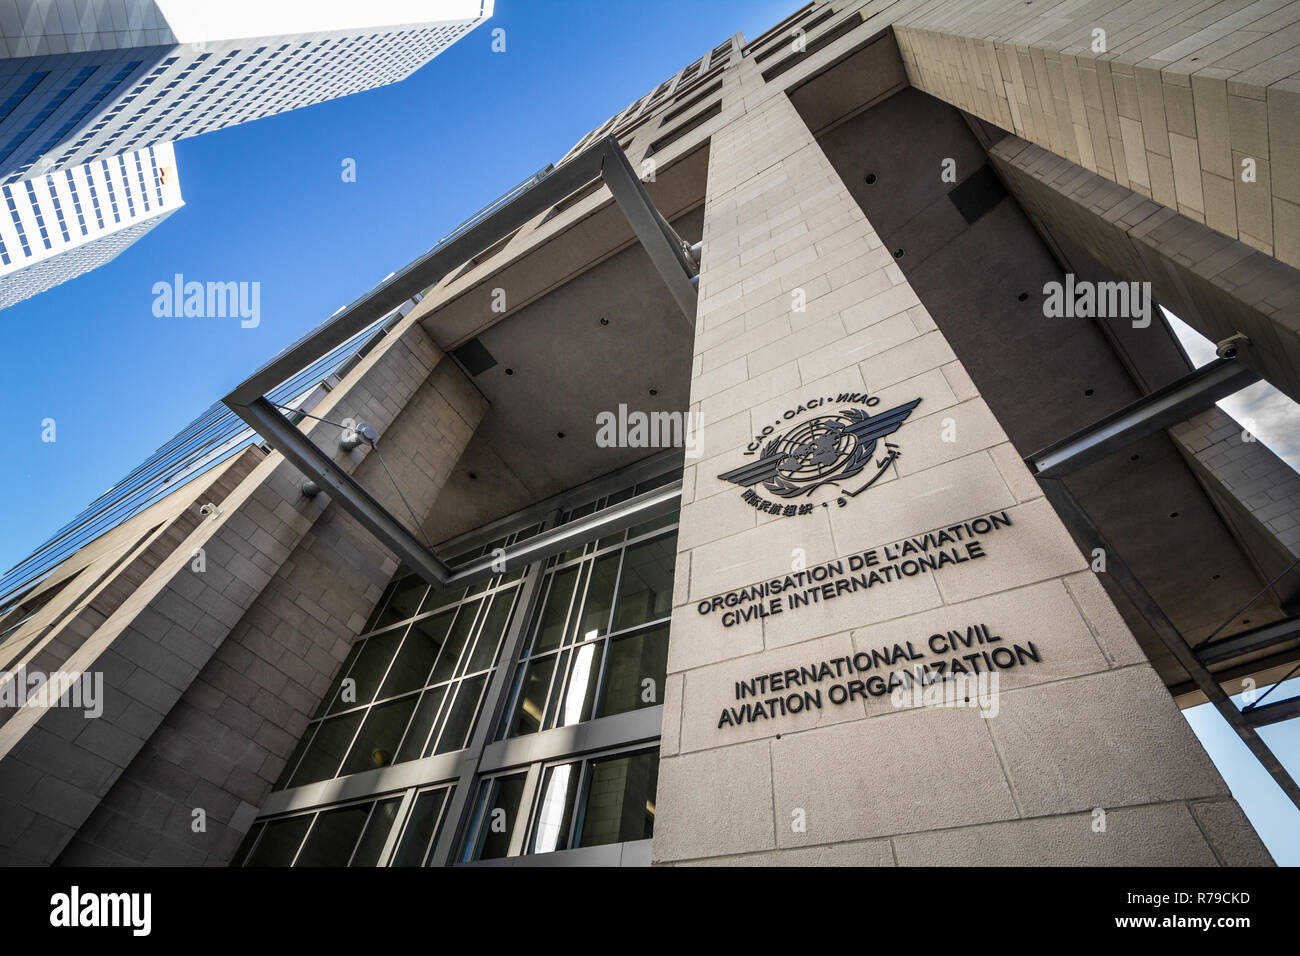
(209, 510)
(1229, 347)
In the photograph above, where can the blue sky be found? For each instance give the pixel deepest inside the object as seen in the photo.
(266, 202)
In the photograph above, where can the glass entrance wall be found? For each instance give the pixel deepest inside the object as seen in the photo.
(582, 636)
(567, 805)
(599, 642)
(397, 830)
(413, 684)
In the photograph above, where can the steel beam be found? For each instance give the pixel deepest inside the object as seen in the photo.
(603, 158)
(1149, 414)
(661, 244)
(1247, 642)
(1272, 713)
(667, 253)
(298, 448)
(1085, 531)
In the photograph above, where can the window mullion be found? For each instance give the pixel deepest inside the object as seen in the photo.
(491, 715)
(399, 825)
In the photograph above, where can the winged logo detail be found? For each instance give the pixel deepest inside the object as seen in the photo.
(826, 450)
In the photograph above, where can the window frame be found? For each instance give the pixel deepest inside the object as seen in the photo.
(485, 757)
(523, 832)
(402, 820)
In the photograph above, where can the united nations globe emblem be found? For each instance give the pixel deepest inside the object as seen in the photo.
(834, 449)
(813, 453)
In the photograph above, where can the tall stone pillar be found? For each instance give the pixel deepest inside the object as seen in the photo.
(814, 564)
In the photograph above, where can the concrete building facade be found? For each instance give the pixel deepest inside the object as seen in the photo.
(744, 507)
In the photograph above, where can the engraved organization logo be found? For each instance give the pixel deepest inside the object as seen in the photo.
(820, 451)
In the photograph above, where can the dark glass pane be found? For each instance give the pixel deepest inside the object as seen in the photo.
(460, 631)
(298, 751)
(570, 555)
(654, 524)
(465, 557)
(610, 539)
(376, 834)
(618, 496)
(527, 533)
(581, 511)
(555, 809)
(333, 837)
(373, 661)
(494, 628)
(405, 601)
(414, 661)
(440, 599)
(536, 683)
(379, 607)
(498, 816)
(579, 698)
(380, 735)
(333, 695)
(594, 621)
(620, 803)
(246, 844)
(323, 756)
(635, 674)
(280, 842)
(413, 746)
(419, 834)
(645, 592)
(649, 484)
(550, 628)
(555, 700)
(460, 719)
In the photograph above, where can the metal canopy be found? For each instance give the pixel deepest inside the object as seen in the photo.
(1248, 642)
(669, 255)
(1187, 396)
(604, 159)
(1149, 414)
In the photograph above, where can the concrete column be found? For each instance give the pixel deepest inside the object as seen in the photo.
(210, 675)
(1081, 756)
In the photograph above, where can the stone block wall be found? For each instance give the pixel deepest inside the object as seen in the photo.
(1085, 754)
